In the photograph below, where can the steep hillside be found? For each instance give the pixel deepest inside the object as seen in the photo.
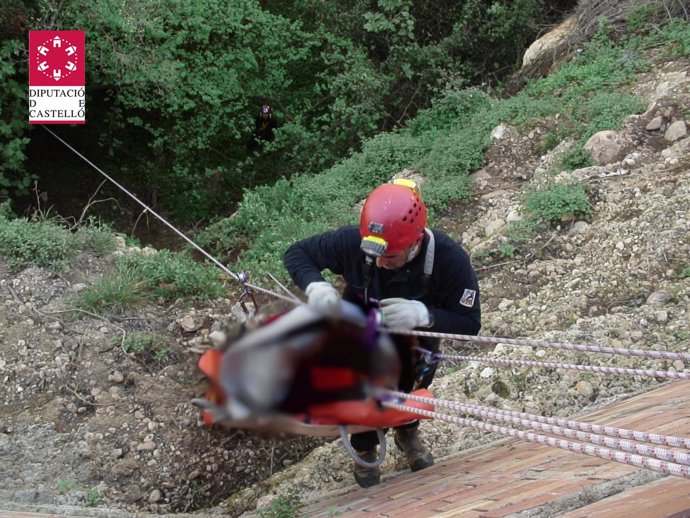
(620, 279)
(87, 421)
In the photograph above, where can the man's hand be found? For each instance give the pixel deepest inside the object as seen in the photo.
(404, 314)
(323, 296)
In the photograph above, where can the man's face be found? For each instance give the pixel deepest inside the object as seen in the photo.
(398, 259)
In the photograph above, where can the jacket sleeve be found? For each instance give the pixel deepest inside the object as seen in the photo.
(306, 259)
(457, 309)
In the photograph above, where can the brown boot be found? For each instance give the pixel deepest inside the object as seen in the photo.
(367, 477)
(418, 455)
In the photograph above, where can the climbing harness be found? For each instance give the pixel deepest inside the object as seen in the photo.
(296, 374)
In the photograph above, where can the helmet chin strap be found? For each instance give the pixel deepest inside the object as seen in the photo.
(414, 251)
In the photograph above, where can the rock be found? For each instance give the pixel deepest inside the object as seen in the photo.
(549, 41)
(155, 496)
(487, 373)
(146, 446)
(188, 324)
(676, 131)
(661, 316)
(585, 388)
(605, 147)
(658, 297)
(116, 377)
(655, 124)
(494, 226)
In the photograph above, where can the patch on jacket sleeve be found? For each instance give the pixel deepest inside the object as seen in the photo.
(468, 297)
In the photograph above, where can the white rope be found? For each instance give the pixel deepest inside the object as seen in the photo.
(668, 440)
(491, 414)
(568, 366)
(666, 355)
(586, 449)
(215, 261)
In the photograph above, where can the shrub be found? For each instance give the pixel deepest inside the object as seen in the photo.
(284, 506)
(114, 291)
(42, 243)
(95, 236)
(148, 346)
(169, 275)
(554, 201)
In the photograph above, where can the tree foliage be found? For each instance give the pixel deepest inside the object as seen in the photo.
(172, 87)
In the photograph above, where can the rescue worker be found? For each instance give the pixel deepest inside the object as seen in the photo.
(264, 124)
(416, 277)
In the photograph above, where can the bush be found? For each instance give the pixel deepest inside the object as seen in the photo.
(554, 201)
(284, 506)
(113, 292)
(168, 275)
(148, 346)
(43, 243)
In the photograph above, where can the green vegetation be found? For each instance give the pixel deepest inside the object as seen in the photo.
(46, 242)
(93, 498)
(39, 243)
(149, 347)
(113, 292)
(283, 506)
(174, 86)
(342, 83)
(164, 276)
(64, 486)
(556, 200)
(445, 143)
(168, 275)
(138, 277)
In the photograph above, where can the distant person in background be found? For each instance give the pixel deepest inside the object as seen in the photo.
(264, 124)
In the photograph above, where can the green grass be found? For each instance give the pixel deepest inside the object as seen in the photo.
(148, 346)
(25, 243)
(553, 201)
(283, 506)
(113, 292)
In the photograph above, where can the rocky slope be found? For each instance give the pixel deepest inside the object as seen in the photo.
(615, 280)
(84, 422)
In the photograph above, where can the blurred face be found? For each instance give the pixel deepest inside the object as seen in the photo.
(399, 259)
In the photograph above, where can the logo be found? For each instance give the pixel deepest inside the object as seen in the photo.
(468, 297)
(57, 77)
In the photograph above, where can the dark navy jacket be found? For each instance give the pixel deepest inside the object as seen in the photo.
(451, 294)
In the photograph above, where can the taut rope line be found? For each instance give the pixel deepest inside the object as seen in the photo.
(640, 461)
(490, 414)
(650, 373)
(655, 438)
(215, 261)
(665, 355)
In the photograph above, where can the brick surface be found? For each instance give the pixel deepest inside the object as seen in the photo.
(510, 476)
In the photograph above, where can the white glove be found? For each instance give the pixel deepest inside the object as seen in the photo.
(323, 296)
(404, 314)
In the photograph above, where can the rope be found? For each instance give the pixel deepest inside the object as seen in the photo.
(586, 449)
(215, 261)
(668, 440)
(552, 365)
(665, 355)
(625, 445)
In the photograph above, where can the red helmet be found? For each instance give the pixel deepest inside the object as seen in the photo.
(393, 218)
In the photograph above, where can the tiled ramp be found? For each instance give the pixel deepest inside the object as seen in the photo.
(511, 476)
